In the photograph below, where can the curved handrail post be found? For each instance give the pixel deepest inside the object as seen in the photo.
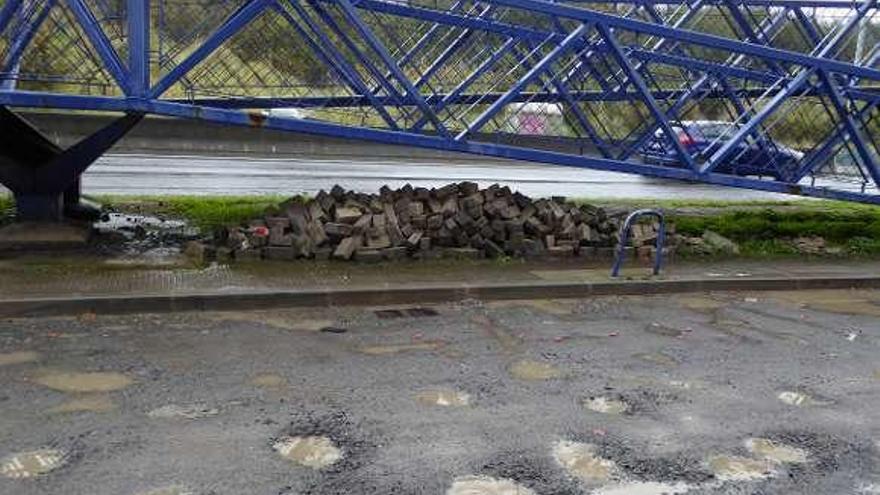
(625, 230)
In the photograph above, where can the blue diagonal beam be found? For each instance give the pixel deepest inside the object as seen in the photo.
(820, 154)
(523, 82)
(20, 44)
(807, 24)
(647, 97)
(449, 51)
(849, 124)
(426, 38)
(573, 106)
(453, 96)
(327, 51)
(729, 68)
(355, 50)
(796, 85)
(7, 12)
(379, 48)
(697, 38)
(421, 43)
(746, 28)
(101, 44)
(240, 18)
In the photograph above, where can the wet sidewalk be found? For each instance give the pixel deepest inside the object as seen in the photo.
(47, 277)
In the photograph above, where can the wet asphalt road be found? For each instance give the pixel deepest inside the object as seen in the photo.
(155, 174)
(772, 393)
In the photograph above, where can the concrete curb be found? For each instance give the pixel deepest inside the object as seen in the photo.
(406, 294)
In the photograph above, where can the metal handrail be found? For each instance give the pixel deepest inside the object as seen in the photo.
(625, 230)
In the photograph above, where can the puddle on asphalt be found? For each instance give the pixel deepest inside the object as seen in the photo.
(734, 468)
(605, 405)
(485, 485)
(99, 381)
(144, 227)
(530, 370)
(870, 489)
(662, 330)
(657, 358)
(31, 464)
(644, 488)
(18, 357)
(443, 397)
(581, 461)
(169, 490)
(89, 403)
(277, 319)
(269, 380)
(499, 333)
(176, 411)
(383, 350)
(800, 399)
(316, 452)
(775, 451)
(700, 304)
(831, 301)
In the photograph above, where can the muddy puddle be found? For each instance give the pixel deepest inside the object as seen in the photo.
(185, 411)
(486, 485)
(390, 349)
(269, 381)
(660, 358)
(18, 357)
(443, 397)
(735, 468)
(644, 488)
(316, 452)
(582, 462)
(801, 399)
(606, 405)
(76, 382)
(32, 464)
(530, 370)
(775, 451)
(150, 239)
(862, 303)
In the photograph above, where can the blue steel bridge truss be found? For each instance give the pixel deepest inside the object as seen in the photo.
(582, 83)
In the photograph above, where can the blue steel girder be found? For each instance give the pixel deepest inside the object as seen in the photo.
(7, 12)
(794, 86)
(468, 63)
(327, 51)
(99, 41)
(658, 113)
(29, 27)
(536, 70)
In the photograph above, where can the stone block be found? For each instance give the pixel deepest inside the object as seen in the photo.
(279, 253)
(347, 247)
(394, 253)
(368, 255)
(347, 215)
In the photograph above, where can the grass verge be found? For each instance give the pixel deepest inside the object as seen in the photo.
(7, 208)
(205, 212)
(761, 228)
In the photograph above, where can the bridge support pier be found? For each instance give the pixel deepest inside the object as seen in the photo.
(44, 179)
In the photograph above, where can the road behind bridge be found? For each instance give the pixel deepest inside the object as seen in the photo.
(212, 175)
